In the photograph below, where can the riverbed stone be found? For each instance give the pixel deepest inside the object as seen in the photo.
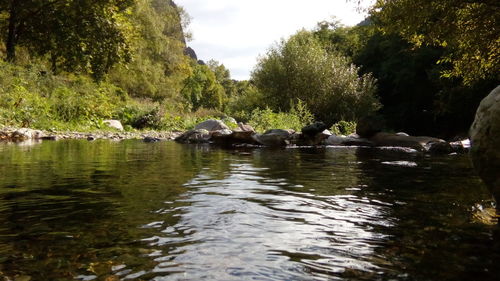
(420, 143)
(274, 137)
(234, 138)
(194, 136)
(211, 125)
(347, 141)
(485, 142)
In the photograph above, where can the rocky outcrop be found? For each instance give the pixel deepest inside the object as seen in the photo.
(485, 142)
(211, 125)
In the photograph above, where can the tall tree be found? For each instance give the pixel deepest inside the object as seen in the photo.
(328, 84)
(468, 28)
(79, 35)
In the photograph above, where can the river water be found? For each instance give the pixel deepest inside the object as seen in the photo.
(78, 210)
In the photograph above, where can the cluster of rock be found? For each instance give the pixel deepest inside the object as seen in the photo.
(218, 133)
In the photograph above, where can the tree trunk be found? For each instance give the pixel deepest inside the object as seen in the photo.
(12, 34)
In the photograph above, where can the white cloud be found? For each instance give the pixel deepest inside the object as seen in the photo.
(235, 32)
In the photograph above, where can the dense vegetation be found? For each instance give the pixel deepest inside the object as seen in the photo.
(71, 64)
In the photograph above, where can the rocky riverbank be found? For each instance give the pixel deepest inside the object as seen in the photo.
(24, 134)
(215, 132)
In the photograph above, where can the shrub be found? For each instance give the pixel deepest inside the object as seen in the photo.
(328, 83)
(343, 128)
(23, 108)
(85, 102)
(296, 119)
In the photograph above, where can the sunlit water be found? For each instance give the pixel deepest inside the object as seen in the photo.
(78, 210)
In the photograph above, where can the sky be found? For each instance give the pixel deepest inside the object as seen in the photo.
(236, 32)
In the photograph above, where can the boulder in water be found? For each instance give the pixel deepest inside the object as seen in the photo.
(485, 142)
(274, 137)
(417, 143)
(314, 129)
(347, 141)
(194, 136)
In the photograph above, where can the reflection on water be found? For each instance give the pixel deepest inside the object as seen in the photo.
(123, 211)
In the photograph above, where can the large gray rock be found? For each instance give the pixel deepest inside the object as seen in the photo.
(274, 137)
(368, 126)
(194, 136)
(394, 140)
(347, 141)
(115, 124)
(234, 138)
(314, 129)
(485, 142)
(211, 125)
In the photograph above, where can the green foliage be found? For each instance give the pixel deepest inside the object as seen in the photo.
(343, 128)
(20, 106)
(416, 98)
(265, 119)
(301, 68)
(158, 66)
(78, 36)
(201, 89)
(29, 97)
(223, 77)
(84, 102)
(246, 97)
(467, 28)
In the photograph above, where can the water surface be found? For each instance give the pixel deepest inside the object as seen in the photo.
(78, 210)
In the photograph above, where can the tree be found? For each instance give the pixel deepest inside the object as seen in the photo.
(416, 98)
(467, 28)
(158, 65)
(328, 84)
(223, 76)
(78, 35)
(201, 89)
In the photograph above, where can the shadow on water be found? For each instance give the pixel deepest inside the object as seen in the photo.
(164, 211)
(434, 235)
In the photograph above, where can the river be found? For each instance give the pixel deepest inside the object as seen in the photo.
(103, 210)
